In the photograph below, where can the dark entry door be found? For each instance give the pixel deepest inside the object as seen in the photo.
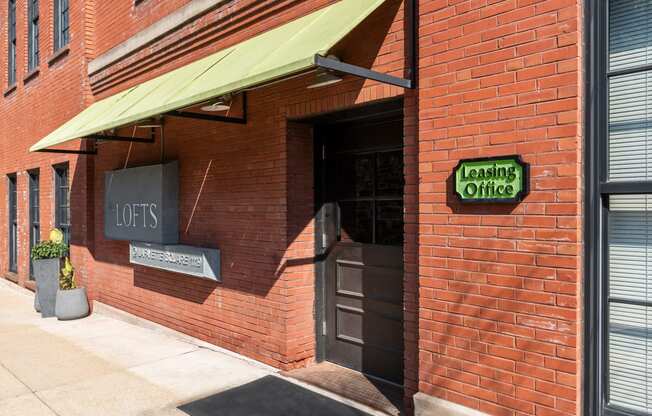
(363, 188)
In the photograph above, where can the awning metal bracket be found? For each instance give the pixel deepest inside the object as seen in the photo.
(358, 71)
(72, 152)
(110, 138)
(211, 117)
(98, 138)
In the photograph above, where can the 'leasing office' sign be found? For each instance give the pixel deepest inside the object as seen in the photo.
(141, 204)
(490, 180)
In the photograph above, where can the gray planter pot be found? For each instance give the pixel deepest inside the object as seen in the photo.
(46, 274)
(72, 304)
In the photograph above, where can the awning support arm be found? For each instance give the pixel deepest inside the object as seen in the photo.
(210, 117)
(103, 138)
(361, 72)
(100, 138)
(72, 152)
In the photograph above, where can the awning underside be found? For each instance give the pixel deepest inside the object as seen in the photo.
(278, 53)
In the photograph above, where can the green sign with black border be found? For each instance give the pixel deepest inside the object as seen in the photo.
(501, 179)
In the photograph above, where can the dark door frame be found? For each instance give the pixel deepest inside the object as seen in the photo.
(379, 111)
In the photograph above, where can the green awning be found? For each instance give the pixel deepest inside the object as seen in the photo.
(278, 53)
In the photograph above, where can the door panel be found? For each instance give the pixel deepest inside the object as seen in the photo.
(364, 265)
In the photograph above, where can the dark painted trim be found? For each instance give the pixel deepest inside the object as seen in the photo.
(597, 190)
(628, 71)
(637, 187)
(630, 301)
(591, 291)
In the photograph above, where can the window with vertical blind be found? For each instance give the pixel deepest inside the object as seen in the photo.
(61, 24)
(11, 36)
(32, 35)
(34, 214)
(629, 237)
(13, 222)
(625, 193)
(62, 201)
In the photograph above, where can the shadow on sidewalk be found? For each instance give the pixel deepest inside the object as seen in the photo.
(268, 396)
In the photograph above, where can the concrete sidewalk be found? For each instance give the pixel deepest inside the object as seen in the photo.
(104, 366)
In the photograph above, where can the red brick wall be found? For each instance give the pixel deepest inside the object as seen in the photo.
(37, 106)
(131, 16)
(257, 200)
(298, 262)
(491, 295)
(499, 285)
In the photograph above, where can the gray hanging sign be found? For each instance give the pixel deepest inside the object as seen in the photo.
(142, 204)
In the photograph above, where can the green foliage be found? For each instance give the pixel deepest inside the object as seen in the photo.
(49, 250)
(67, 278)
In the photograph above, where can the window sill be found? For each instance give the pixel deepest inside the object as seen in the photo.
(58, 55)
(31, 285)
(12, 277)
(10, 90)
(31, 75)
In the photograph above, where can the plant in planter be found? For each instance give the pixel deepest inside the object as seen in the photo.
(72, 301)
(47, 257)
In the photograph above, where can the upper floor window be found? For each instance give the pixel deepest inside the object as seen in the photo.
(32, 35)
(61, 24)
(11, 28)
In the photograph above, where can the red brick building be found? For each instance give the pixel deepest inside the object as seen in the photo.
(334, 208)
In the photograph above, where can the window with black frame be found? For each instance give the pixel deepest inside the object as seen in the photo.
(13, 222)
(626, 181)
(61, 24)
(32, 35)
(34, 214)
(11, 37)
(62, 201)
